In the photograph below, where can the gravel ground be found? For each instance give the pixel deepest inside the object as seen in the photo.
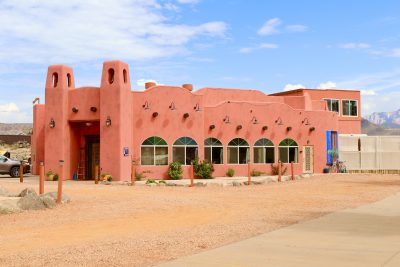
(116, 225)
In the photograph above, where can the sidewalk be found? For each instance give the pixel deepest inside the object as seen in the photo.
(365, 236)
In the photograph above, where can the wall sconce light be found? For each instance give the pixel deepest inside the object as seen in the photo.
(197, 107)
(212, 126)
(254, 120)
(264, 128)
(93, 109)
(155, 114)
(52, 123)
(186, 115)
(75, 109)
(306, 121)
(146, 105)
(289, 128)
(239, 127)
(108, 121)
(172, 106)
(61, 162)
(279, 121)
(312, 129)
(226, 119)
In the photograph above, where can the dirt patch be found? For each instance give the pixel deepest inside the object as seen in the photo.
(141, 226)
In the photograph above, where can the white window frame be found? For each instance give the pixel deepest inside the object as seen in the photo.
(154, 154)
(185, 146)
(339, 103)
(265, 156)
(352, 116)
(211, 147)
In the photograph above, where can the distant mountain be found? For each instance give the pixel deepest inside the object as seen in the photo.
(372, 129)
(385, 119)
(15, 128)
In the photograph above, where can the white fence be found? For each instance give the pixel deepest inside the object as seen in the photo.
(370, 153)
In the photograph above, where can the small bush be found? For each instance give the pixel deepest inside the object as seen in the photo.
(141, 175)
(106, 177)
(151, 181)
(162, 182)
(203, 169)
(230, 172)
(275, 169)
(175, 171)
(256, 173)
(55, 177)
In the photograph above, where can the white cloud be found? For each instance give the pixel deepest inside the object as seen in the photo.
(327, 85)
(355, 46)
(188, 1)
(368, 92)
(247, 50)
(269, 27)
(8, 108)
(71, 31)
(268, 46)
(290, 86)
(296, 28)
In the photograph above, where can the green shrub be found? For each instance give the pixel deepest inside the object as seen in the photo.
(175, 171)
(230, 172)
(275, 169)
(256, 173)
(203, 169)
(55, 177)
(162, 182)
(151, 181)
(141, 175)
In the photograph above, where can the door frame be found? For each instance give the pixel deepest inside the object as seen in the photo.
(89, 141)
(312, 163)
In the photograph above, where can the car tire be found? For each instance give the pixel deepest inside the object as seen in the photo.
(14, 172)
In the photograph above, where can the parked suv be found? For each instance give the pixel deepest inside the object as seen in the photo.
(11, 167)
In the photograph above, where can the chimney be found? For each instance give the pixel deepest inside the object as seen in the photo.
(148, 85)
(188, 86)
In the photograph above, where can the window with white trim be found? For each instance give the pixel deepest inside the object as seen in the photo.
(238, 151)
(288, 151)
(264, 151)
(154, 151)
(333, 104)
(350, 108)
(213, 151)
(184, 150)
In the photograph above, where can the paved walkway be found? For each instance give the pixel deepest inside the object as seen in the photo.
(365, 236)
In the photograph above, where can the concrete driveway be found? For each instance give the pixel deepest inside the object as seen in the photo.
(365, 236)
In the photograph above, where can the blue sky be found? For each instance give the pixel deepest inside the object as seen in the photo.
(266, 45)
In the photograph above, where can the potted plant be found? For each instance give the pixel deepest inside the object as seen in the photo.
(50, 175)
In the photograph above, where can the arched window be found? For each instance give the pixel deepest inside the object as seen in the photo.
(184, 150)
(213, 151)
(111, 73)
(154, 151)
(264, 151)
(238, 151)
(288, 151)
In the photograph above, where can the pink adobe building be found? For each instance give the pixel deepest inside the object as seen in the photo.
(111, 125)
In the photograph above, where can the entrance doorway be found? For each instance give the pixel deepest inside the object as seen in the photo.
(92, 155)
(308, 159)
